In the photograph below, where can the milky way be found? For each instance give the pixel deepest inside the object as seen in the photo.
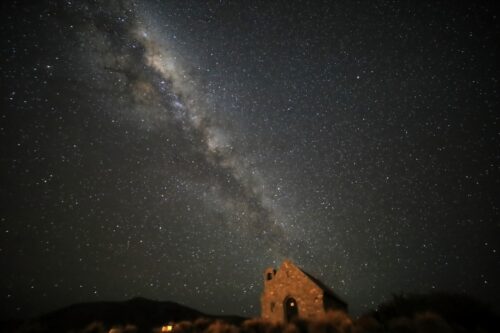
(175, 149)
(162, 88)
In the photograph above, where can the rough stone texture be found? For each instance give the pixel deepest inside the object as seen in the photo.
(312, 298)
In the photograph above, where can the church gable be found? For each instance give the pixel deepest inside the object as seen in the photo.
(290, 274)
(290, 292)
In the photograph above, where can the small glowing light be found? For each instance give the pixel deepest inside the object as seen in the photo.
(292, 304)
(167, 328)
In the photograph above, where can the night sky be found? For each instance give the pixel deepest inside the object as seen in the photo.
(175, 149)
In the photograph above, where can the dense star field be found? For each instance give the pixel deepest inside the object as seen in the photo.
(175, 149)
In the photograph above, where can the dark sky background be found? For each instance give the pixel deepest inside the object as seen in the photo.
(175, 149)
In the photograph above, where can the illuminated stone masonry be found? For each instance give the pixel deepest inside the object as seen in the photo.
(290, 292)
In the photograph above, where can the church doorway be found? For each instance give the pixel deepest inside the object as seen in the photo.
(291, 309)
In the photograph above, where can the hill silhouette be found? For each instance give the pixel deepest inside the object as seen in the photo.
(141, 313)
(411, 313)
(455, 312)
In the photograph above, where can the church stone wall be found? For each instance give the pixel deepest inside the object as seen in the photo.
(289, 281)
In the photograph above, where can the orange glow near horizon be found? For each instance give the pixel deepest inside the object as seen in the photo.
(167, 328)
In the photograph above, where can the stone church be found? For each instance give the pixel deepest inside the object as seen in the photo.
(290, 292)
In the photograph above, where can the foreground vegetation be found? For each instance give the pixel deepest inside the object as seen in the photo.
(443, 313)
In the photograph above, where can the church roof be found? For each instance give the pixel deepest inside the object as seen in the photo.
(325, 288)
(329, 292)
